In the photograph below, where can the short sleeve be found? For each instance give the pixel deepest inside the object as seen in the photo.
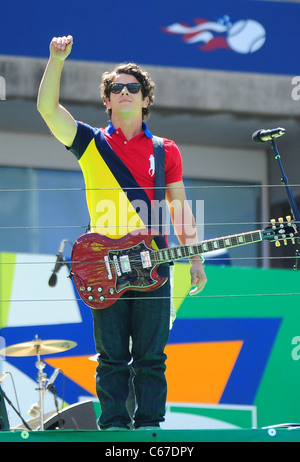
(85, 133)
(173, 162)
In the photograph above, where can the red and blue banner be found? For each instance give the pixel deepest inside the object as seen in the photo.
(236, 35)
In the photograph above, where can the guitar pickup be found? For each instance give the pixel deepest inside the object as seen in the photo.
(125, 264)
(116, 265)
(146, 260)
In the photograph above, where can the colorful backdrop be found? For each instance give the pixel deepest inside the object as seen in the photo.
(233, 353)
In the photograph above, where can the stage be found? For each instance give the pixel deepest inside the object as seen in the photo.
(158, 439)
(227, 388)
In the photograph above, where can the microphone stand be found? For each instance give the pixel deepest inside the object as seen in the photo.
(291, 199)
(52, 387)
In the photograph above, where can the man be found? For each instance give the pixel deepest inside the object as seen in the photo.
(117, 164)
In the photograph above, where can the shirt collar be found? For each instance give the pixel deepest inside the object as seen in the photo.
(110, 129)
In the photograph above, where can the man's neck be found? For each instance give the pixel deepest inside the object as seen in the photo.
(129, 127)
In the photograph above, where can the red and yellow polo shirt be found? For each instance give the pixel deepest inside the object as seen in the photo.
(119, 176)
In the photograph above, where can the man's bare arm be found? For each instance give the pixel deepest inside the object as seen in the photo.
(186, 230)
(59, 120)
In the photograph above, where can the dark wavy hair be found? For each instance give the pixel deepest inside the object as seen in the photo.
(142, 76)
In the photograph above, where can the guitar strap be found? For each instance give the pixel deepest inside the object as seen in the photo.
(160, 209)
(159, 158)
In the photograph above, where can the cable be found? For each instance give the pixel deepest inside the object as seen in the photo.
(15, 392)
(179, 297)
(236, 186)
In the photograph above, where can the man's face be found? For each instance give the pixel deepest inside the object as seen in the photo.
(126, 104)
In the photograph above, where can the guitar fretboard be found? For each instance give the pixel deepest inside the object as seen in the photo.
(184, 251)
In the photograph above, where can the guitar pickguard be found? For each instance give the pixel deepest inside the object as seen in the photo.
(135, 276)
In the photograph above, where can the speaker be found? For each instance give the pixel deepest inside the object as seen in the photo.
(4, 424)
(79, 416)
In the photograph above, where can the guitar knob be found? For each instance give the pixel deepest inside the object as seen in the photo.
(89, 288)
(100, 289)
(91, 298)
(102, 298)
(111, 290)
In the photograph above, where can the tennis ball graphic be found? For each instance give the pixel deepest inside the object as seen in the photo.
(246, 36)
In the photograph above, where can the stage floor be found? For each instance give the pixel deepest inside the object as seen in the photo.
(177, 438)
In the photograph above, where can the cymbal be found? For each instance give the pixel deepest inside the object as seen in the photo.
(38, 346)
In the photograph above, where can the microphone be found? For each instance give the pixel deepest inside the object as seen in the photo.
(58, 264)
(35, 408)
(52, 378)
(260, 136)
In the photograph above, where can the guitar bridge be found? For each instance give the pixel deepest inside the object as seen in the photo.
(125, 264)
(146, 260)
(107, 266)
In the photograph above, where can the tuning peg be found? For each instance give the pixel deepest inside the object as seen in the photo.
(280, 220)
(293, 240)
(273, 223)
(277, 243)
(288, 218)
(285, 241)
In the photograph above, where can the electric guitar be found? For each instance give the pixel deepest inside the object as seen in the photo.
(103, 269)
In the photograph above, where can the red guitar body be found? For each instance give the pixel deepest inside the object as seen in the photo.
(104, 269)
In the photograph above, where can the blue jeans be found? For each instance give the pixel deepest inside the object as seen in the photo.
(145, 317)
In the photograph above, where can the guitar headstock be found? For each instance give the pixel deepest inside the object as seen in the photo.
(281, 231)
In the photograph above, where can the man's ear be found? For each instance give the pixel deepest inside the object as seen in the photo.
(107, 103)
(146, 102)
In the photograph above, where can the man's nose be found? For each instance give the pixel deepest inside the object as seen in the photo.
(124, 90)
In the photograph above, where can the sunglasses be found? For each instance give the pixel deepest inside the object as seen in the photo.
(131, 87)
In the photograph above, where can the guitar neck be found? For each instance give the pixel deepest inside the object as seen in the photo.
(184, 251)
